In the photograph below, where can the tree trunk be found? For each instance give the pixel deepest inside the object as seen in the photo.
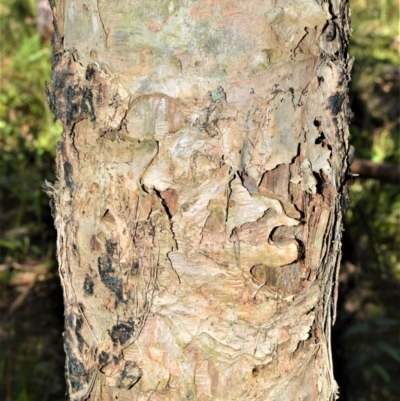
(198, 202)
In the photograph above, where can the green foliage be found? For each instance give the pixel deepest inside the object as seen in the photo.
(375, 131)
(375, 79)
(367, 346)
(27, 134)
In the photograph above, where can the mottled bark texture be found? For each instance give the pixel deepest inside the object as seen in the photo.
(199, 195)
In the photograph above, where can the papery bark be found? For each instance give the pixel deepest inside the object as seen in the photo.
(199, 196)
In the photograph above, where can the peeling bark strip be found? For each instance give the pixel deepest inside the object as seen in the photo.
(200, 177)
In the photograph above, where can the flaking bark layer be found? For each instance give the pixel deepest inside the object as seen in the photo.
(199, 192)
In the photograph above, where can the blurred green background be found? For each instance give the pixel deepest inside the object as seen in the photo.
(366, 336)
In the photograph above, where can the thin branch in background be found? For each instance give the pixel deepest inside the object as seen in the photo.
(385, 172)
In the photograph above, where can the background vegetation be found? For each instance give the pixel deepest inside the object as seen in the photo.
(367, 333)
(31, 314)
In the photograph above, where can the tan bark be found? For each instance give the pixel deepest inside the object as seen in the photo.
(198, 200)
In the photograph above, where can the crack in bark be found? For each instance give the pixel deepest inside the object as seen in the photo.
(101, 21)
(298, 44)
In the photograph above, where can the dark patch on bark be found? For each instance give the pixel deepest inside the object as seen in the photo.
(71, 98)
(104, 358)
(109, 277)
(68, 175)
(330, 31)
(88, 286)
(117, 359)
(320, 183)
(345, 200)
(135, 267)
(69, 320)
(122, 332)
(320, 139)
(335, 102)
(317, 122)
(78, 328)
(76, 384)
(90, 73)
(111, 247)
(87, 106)
(71, 107)
(129, 376)
(73, 365)
(100, 97)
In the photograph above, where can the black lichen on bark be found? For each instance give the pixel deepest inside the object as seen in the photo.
(75, 368)
(104, 358)
(72, 98)
(335, 102)
(72, 109)
(129, 376)
(78, 328)
(68, 175)
(109, 277)
(111, 247)
(135, 267)
(90, 73)
(122, 332)
(88, 286)
(87, 106)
